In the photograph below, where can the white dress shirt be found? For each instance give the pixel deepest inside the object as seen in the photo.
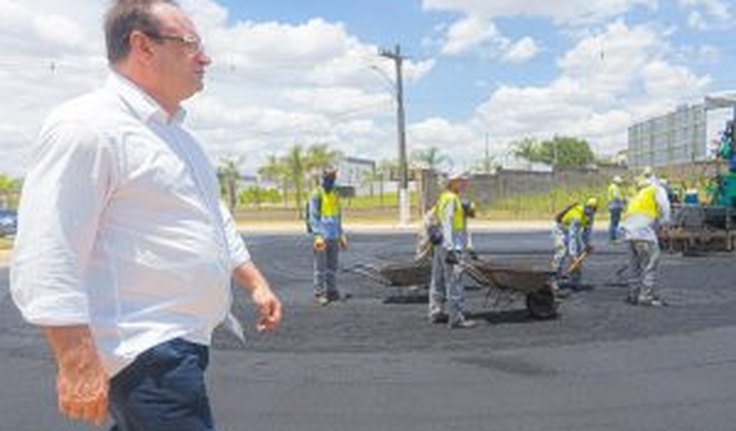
(120, 227)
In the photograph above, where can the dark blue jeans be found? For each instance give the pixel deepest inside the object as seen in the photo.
(163, 390)
(613, 227)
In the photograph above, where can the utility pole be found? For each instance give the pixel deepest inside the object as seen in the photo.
(400, 122)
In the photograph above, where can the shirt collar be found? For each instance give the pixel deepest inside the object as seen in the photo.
(142, 104)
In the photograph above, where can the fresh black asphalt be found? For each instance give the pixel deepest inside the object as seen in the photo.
(373, 362)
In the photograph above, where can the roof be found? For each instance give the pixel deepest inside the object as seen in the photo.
(720, 100)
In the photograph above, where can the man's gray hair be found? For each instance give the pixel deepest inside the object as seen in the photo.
(125, 16)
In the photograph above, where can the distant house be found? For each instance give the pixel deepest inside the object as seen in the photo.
(356, 173)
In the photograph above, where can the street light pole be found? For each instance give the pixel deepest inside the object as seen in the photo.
(401, 131)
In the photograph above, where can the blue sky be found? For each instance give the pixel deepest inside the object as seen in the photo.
(291, 72)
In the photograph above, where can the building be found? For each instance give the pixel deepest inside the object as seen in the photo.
(357, 174)
(686, 135)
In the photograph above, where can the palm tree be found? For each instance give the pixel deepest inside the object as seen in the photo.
(275, 170)
(296, 163)
(431, 158)
(318, 157)
(229, 175)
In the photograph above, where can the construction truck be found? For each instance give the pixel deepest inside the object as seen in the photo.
(707, 226)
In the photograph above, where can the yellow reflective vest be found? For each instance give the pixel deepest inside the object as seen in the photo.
(458, 219)
(324, 214)
(576, 212)
(645, 202)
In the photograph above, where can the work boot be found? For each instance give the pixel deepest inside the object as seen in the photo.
(321, 300)
(440, 317)
(464, 324)
(650, 301)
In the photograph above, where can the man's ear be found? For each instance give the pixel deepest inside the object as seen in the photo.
(141, 47)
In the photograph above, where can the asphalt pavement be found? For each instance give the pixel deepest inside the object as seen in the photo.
(374, 362)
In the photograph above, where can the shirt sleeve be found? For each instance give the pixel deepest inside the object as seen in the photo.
(64, 194)
(314, 215)
(239, 253)
(663, 202)
(447, 231)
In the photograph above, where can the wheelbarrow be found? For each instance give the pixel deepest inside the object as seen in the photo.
(506, 283)
(405, 277)
(396, 274)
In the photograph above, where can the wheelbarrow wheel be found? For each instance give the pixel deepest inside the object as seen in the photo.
(541, 303)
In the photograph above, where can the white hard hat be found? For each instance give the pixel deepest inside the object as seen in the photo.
(617, 179)
(643, 181)
(457, 176)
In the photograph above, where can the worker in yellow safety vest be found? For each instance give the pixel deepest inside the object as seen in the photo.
(571, 234)
(325, 226)
(449, 244)
(648, 211)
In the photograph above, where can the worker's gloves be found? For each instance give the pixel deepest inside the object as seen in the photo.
(319, 244)
(343, 242)
(452, 257)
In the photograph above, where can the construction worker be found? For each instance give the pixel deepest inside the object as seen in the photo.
(616, 203)
(647, 211)
(445, 287)
(571, 235)
(325, 226)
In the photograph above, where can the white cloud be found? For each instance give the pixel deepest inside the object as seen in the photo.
(521, 51)
(708, 14)
(468, 33)
(607, 81)
(561, 11)
(271, 84)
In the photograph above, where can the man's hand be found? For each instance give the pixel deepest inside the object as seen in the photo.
(269, 308)
(343, 242)
(319, 243)
(268, 304)
(452, 257)
(82, 384)
(472, 254)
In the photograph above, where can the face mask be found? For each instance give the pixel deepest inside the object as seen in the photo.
(328, 183)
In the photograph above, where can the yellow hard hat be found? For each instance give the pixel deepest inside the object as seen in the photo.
(592, 202)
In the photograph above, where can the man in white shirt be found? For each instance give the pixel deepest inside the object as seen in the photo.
(124, 253)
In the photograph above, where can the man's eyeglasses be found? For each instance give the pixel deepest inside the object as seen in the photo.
(192, 43)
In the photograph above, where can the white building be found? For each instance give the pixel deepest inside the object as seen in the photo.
(689, 134)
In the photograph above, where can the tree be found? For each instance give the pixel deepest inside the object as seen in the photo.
(431, 158)
(229, 175)
(275, 170)
(560, 151)
(9, 190)
(320, 156)
(527, 148)
(296, 163)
